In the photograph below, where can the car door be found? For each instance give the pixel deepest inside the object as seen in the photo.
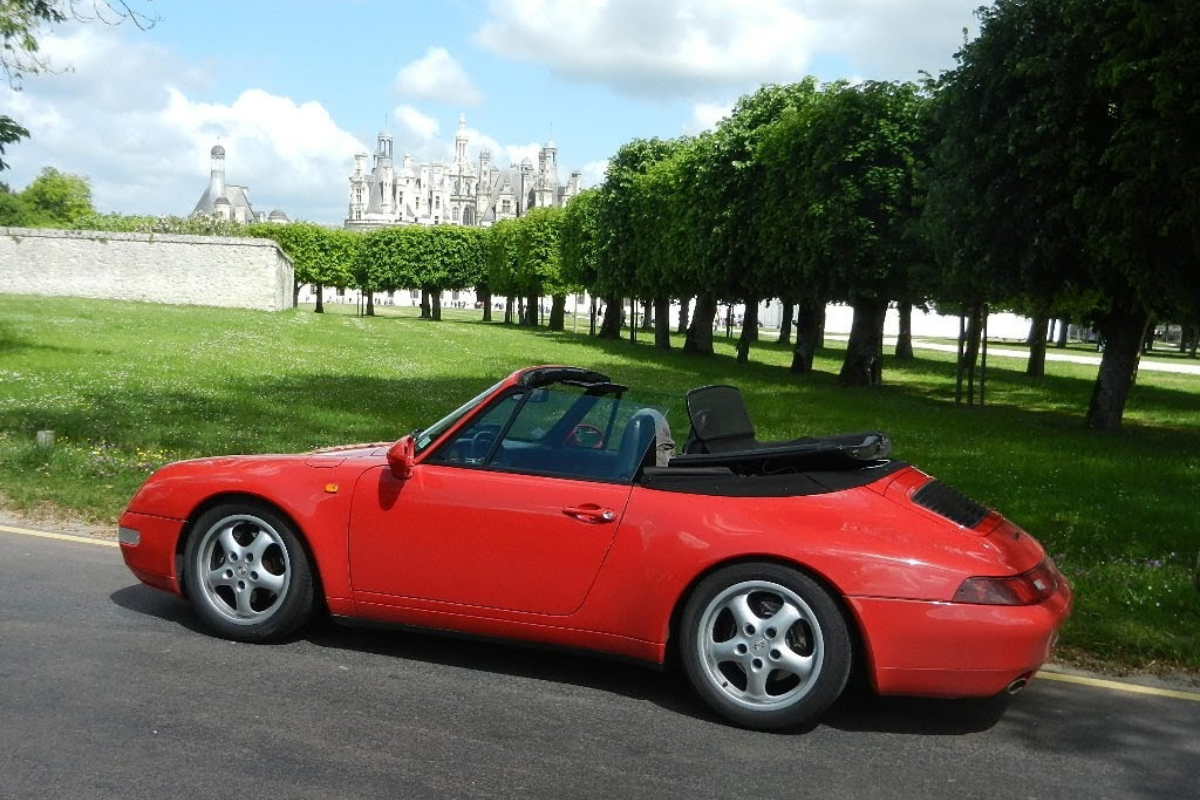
(471, 529)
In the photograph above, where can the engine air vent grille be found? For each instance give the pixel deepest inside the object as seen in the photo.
(950, 503)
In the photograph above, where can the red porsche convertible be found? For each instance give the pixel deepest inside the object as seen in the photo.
(556, 508)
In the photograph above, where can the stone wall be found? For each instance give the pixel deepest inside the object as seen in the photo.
(153, 268)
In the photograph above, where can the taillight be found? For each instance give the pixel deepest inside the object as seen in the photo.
(1025, 589)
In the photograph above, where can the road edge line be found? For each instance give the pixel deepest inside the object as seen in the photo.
(66, 537)
(1119, 686)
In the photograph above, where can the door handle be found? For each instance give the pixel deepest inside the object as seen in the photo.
(590, 513)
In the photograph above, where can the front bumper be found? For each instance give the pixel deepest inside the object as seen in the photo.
(148, 545)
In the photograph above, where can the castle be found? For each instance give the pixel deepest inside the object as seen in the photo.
(229, 201)
(460, 193)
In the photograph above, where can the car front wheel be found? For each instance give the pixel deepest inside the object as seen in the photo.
(247, 574)
(765, 646)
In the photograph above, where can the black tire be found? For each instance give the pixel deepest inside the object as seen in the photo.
(247, 574)
(765, 646)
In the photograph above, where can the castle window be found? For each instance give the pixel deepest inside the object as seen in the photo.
(456, 216)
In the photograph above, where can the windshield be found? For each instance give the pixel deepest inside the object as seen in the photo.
(429, 435)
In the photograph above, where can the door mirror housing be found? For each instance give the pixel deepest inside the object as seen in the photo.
(400, 457)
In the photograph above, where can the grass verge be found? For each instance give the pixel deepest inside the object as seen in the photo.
(127, 387)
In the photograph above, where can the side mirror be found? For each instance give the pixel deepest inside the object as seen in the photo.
(400, 457)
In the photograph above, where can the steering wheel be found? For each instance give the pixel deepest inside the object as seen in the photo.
(482, 441)
(584, 435)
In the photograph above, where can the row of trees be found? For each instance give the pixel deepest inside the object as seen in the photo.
(1052, 172)
(516, 259)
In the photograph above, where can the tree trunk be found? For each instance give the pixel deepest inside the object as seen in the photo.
(320, 307)
(809, 318)
(1064, 327)
(749, 331)
(509, 302)
(295, 294)
(974, 328)
(1124, 331)
(370, 304)
(662, 323)
(533, 308)
(610, 328)
(700, 332)
(647, 315)
(486, 298)
(904, 348)
(558, 312)
(864, 352)
(1036, 366)
(785, 323)
(684, 302)
(435, 305)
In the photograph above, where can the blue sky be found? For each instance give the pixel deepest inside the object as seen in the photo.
(293, 88)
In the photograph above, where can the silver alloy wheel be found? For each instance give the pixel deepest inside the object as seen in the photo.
(760, 645)
(243, 569)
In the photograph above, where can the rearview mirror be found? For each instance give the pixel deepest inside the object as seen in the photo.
(400, 458)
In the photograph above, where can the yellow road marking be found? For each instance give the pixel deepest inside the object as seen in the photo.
(63, 536)
(1118, 686)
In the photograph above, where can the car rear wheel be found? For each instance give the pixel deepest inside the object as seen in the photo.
(247, 574)
(765, 646)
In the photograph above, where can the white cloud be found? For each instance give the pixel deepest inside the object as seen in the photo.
(414, 127)
(290, 156)
(705, 116)
(669, 47)
(642, 46)
(437, 76)
(594, 172)
(123, 119)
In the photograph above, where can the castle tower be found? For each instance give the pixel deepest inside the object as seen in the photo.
(216, 175)
(460, 141)
(385, 176)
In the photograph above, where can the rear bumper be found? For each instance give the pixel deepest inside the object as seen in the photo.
(956, 649)
(152, 558)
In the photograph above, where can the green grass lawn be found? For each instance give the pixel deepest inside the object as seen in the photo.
(127, 387)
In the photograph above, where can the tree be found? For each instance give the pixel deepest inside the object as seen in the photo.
(57, 199)
(19, 53)
(1071, 123)
(738, 201)
(785, 250)
(858, 151)
(13, 211)
(619, 252)
(538, 264)
(502, 265)
(579, 243)
(320, 256)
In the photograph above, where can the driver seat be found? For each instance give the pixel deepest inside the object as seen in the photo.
(645, 428)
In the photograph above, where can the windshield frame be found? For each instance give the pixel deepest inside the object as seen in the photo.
(427, 437)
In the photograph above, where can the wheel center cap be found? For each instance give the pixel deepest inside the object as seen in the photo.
(760, 645)
(241, 571)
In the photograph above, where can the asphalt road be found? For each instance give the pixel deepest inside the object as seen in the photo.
(109, 689)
